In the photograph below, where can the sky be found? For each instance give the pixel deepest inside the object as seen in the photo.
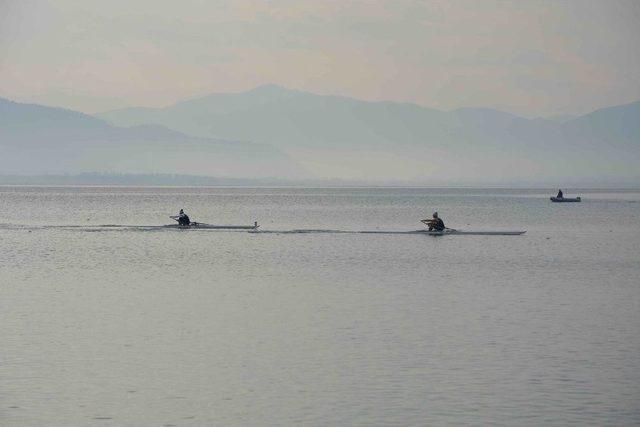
(533, 58)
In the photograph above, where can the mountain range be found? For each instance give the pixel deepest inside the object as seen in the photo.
(335, 136)
(275, 132)
(37, 140)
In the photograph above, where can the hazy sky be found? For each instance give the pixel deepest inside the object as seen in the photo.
(528, 57)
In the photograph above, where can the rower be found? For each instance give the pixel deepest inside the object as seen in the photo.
(183, 218)
(559, 196)
(435, 224)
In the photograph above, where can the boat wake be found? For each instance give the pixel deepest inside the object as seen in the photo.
(245, 229)
(120, 227)
(448, 232)
(173, 227)
(332, 231)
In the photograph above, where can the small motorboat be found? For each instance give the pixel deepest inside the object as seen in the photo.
(565, 199)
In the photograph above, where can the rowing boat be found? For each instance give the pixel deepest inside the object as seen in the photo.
(201, 225)
(565, 199)
(213, 226)
(450, 231)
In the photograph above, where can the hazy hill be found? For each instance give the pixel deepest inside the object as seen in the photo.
(560, 118)
(348, 138)
(619, 124)
(42, 140)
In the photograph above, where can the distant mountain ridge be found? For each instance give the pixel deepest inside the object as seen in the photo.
(272, 132)
(347, 138)
(44, 140)
(621, 122)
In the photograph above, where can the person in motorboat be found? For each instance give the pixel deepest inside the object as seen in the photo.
(435, 223)
(183, 218)
(560, 195)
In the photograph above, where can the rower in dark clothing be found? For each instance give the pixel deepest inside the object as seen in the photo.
(435, 224)
(183, 218)
(559, 196)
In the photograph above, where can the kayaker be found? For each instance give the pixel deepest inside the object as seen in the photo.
(436, 223)
(559, 196)
(183, 218)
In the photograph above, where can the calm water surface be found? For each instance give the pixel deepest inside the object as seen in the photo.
(144, 325)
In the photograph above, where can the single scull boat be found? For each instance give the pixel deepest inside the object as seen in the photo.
(451, 231)
(213, 226)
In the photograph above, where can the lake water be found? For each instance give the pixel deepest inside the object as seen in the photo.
(143, 325)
